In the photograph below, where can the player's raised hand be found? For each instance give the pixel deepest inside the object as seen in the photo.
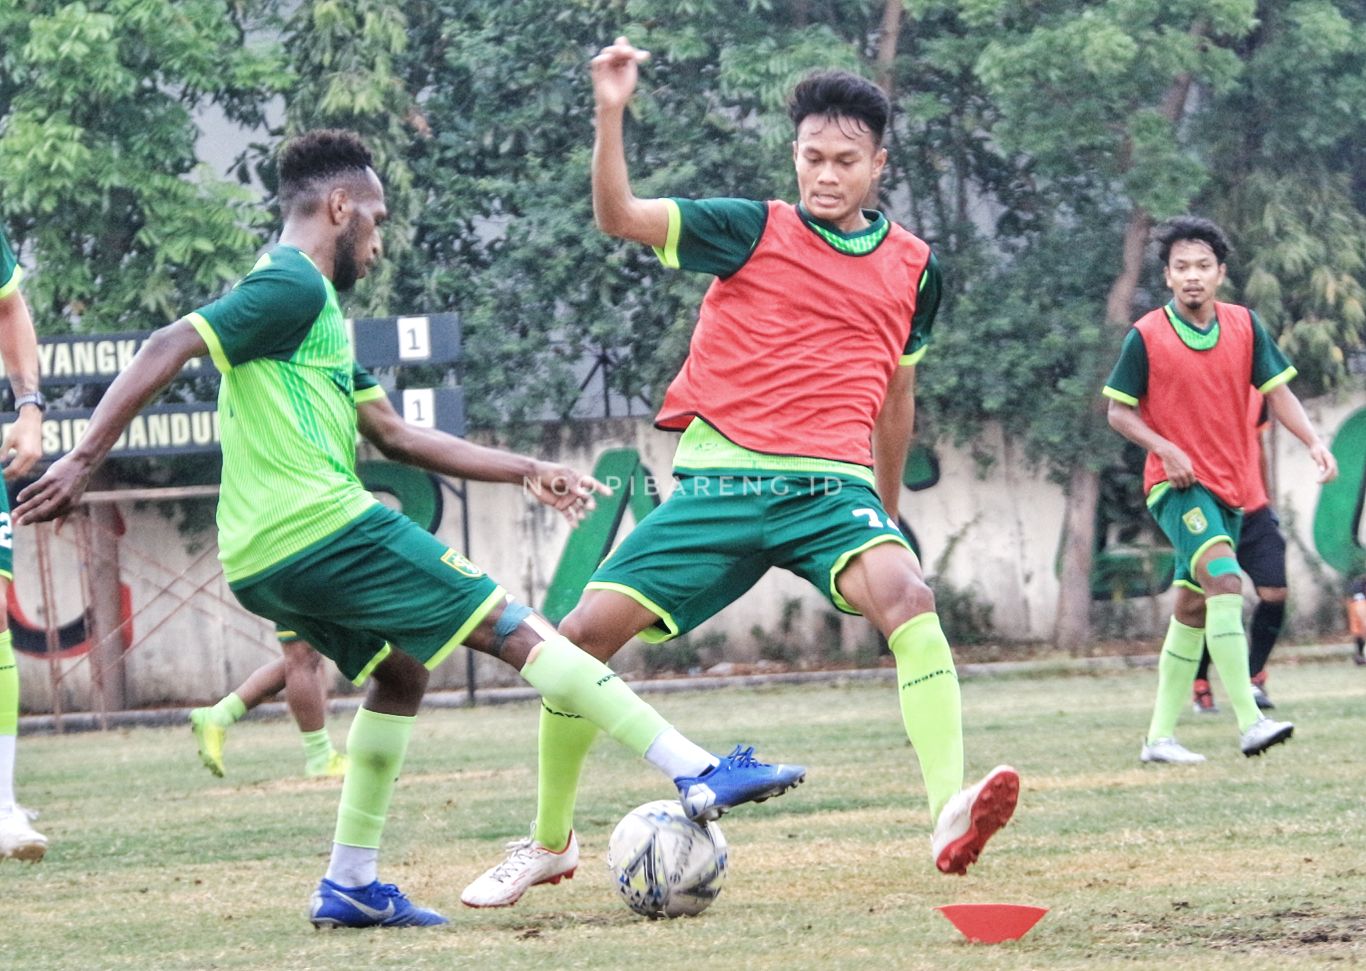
(1325, 460)
(566, 490)
(615, 71)
(54, 495)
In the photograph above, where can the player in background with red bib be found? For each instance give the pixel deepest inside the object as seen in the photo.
(1180, 390)
(796, 406)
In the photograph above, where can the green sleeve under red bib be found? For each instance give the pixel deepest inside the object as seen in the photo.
(931, 290)
(1128, 382)
(10, 273)
(1270, 367)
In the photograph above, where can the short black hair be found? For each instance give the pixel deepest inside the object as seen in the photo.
(840, 94)
(316, 157)
(1182, 228)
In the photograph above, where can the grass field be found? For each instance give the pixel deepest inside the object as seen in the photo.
(1240, 863)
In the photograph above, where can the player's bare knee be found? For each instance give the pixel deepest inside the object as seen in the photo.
(573, 627)
(301, 657)
(919, 597)
(1190, 608)
(1272, 595)
(397, 685)
(594, 636)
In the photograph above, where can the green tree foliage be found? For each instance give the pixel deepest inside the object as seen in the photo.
(349, 57)
(99, 181)
(505, 227)
(1075, 137)
(1290, 182)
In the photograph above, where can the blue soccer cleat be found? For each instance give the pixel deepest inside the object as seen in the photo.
(739, 778)
(374, 905)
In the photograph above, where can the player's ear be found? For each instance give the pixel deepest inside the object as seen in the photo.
(339, 205)
(879, 160)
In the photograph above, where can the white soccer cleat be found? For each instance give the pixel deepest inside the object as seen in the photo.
(528, 863)
(1263, 734)
(1168, 750)
(972, 817)
(18, 839)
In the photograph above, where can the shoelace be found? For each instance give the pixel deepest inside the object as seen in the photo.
(517, 850)
(744, 758)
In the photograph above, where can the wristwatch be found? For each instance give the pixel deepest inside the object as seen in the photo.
(34, 398)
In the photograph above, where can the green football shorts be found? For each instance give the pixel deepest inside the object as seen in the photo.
(1194, 519)
(716, 535)
(381, 580)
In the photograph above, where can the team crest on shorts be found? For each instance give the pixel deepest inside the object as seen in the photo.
(460, 565)
(1195, 521)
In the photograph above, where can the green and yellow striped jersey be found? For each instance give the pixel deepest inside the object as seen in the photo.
(287, 410)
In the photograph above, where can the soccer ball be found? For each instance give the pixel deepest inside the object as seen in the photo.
(663, 863)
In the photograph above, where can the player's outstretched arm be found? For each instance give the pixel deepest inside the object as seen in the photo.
(616, 209)
(892, 434)
(1126, 420)
(1290, 413)
(151, 369)
(558, 486)
(19, 348)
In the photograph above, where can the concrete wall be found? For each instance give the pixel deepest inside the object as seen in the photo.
(1003, 528)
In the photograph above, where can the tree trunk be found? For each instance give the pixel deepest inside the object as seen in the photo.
(108, 682)
(1072, 630)
(884, 64)
(886, 45)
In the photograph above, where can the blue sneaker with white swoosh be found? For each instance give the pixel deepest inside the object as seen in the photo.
(374, 905)
(739, 778)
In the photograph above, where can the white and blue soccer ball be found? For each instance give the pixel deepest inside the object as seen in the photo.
(663, 863)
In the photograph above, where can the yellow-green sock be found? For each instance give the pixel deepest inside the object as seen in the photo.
(317, 748)
(1175, 674)
(376, 746)
(931, 707)
(9, 686)
(1227, 642)
(565, 739)
(571, 680)
(227, 711)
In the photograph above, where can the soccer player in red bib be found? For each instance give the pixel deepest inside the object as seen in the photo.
(1180, 389)
(795, 406)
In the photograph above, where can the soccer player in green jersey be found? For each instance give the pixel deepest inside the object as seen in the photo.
(22, 447)
(303, 544)
(1180, 390)
(796, 406)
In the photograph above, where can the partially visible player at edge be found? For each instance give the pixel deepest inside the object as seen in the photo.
(800, 380)
(21, 448)
(299, 674)
(1180, 390)
(305, 545)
